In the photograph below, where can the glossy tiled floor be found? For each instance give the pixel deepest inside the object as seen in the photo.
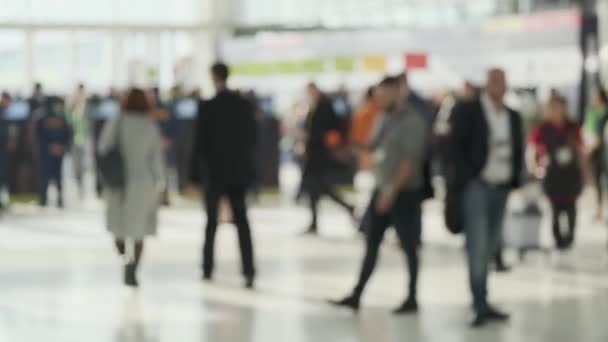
(60, 282)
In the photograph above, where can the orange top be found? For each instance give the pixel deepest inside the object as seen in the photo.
(363, 123)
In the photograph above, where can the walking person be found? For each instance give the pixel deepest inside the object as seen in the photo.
(77, 116)
(555, 156)
(322, 127)
(223, 162)
(595, 121)
(399, 153)
(132, 211)
(53, 139)
(487, 152)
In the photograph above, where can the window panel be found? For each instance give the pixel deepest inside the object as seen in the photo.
(12, 60)
(53, 60)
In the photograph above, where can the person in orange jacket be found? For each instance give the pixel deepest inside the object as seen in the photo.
(363, 125)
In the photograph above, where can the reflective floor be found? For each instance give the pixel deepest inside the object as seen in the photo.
(60, 282)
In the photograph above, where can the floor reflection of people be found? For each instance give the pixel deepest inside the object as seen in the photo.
(132, 327)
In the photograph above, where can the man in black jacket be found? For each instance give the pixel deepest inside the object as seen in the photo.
(321, 123)
(223, 161)
(487, 152)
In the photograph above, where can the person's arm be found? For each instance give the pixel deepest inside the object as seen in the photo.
(108, 136)
(411, 151)
(197, 156)
(533, 153)
(390, 190)
(158, 160)
(459, 134)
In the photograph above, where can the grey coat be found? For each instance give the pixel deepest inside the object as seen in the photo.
(132, 213)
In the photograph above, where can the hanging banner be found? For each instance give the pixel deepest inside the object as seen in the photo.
(344, 64)
(416, 60)
(375, 63)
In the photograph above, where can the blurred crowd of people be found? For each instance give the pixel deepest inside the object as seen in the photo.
(476, 143)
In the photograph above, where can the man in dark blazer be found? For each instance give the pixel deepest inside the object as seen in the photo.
(223, 161)
(487, 152)
(321, 122)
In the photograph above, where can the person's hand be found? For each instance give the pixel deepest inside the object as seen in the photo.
(56, 150)
(385, 201)
(192, 188)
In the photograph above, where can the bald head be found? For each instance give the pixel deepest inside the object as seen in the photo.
(496, 85)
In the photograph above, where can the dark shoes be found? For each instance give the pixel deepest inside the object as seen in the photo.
(130, 278)
(502, 268)
(410, 306)
(249, 283)
(350, 302)
(312, 230)
(489, 315)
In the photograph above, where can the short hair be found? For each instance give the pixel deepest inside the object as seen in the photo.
(496, 70)
(602, 95)
(220, 70)
(391, 81)
(370, 92)
(137, 102)
(559, 98)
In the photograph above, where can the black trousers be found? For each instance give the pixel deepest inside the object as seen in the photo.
(318, 186)
(50, 170)
(564, 239)
(236, 196)
(597, 163)
(406, 217)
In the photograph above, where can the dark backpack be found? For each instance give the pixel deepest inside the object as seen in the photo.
(111, 166)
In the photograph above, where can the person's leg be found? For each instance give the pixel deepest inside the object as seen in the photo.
(497, 207)
(239, 211)
(365, 220)
(597, 161)
(497, 204)
(212, 198)
(120, 246)
(314, 198)
(475, 210)
(134, 257)
(378, 225)
(58, 175)
(407, 218)
(328, 189)
(78, 167)
(556, 212)
(44, 183)
(571, 212)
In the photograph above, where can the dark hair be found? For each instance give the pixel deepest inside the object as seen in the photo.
(391, 81)
(136, 102)
(220, 70)
(601, 93)
(370, 92)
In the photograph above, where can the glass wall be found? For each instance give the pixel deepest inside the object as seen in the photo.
(356, 13)
(183, 12)
(12, 60)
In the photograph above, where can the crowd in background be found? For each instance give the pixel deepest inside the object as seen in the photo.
(471, 139)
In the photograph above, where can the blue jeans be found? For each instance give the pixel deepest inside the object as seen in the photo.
(484, 210)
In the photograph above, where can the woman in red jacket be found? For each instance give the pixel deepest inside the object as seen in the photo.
(555, 156)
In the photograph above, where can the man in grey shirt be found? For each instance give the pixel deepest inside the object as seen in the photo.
(399, 150)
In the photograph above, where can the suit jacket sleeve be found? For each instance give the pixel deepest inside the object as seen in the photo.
(459, 171)
(518, 153)
(198, 146)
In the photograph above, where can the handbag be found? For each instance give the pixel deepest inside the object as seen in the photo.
(111, 165)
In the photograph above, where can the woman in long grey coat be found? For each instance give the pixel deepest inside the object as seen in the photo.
(132, 211)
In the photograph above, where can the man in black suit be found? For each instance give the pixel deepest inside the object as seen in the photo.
(223, 161)
(321, 122)
(487, 152)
